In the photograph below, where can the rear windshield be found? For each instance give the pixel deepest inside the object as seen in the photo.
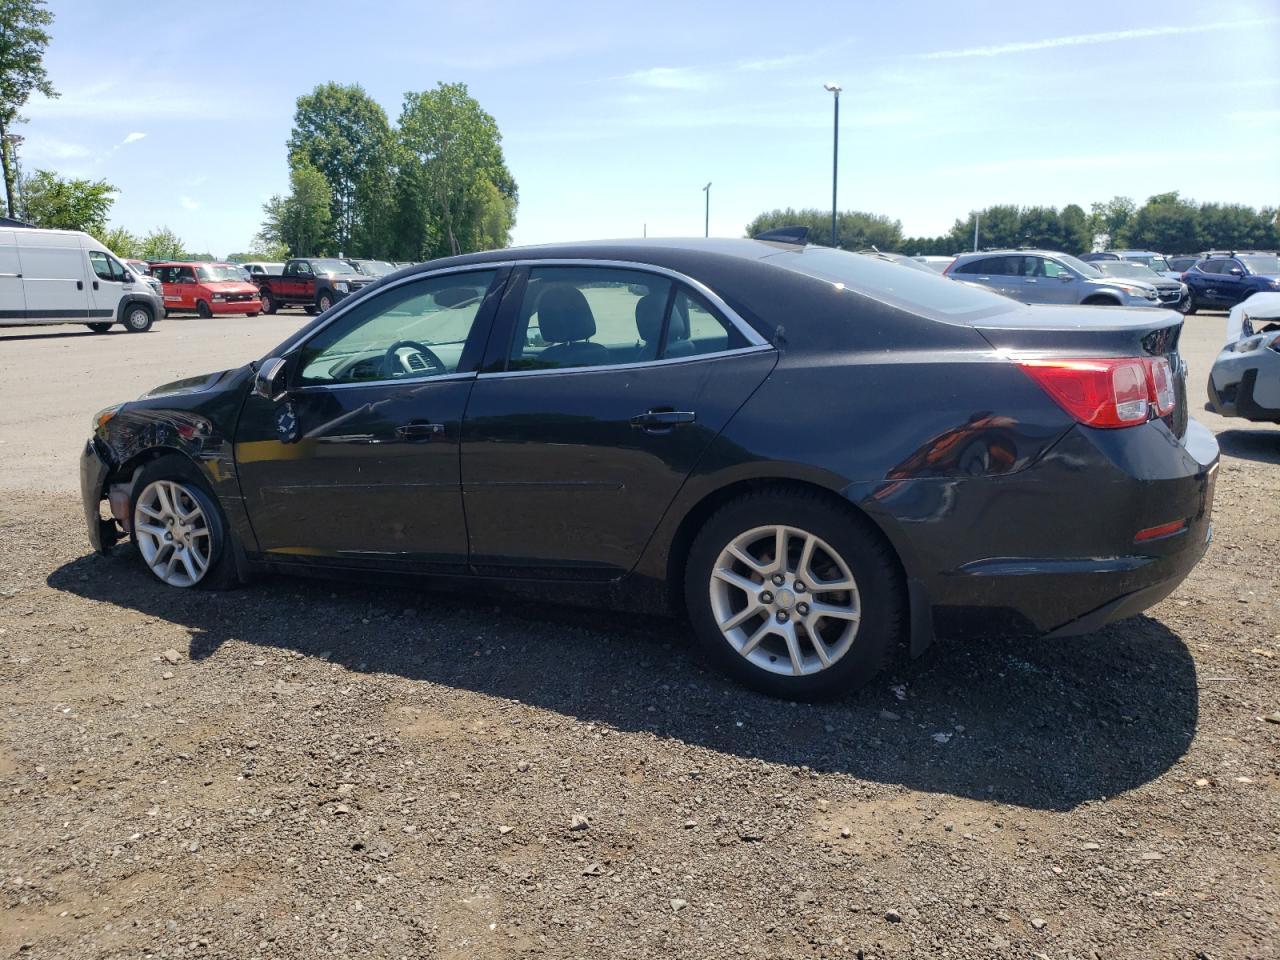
(918, 291)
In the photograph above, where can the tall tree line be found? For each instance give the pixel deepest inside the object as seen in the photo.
(434, 184)
(1166, 223)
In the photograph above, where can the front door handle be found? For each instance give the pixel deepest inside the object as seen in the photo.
(79, 284)
(662, 420)
(419, 431)
(95, 284)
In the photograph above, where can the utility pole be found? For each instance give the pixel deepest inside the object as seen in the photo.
(834, 90)
(977, 219)
(706, 225)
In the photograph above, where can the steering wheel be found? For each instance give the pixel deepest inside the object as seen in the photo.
(389, 361)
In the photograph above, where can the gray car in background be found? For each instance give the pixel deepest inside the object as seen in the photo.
(1171, 293)
(1043, 276)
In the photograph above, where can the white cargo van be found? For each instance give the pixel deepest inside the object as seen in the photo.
(64, 276)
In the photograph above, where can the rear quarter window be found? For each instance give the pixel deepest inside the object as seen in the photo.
(926, 294)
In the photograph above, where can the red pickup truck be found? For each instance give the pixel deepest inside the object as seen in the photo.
(313, 283)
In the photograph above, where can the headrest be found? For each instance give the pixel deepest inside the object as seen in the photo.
(564, 314)
(649, 317)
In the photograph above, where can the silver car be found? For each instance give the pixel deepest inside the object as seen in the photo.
(1171, 293)
(1043, 276)
(1245, 379)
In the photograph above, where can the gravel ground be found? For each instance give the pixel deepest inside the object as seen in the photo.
(310, 769)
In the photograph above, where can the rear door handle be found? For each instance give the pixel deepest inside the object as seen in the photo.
(419, 431)
(662, 420)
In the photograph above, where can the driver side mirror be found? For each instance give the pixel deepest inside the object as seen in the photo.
(269, 382)
(1236, 272)
(1065, 277)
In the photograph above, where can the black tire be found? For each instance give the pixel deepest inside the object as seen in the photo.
(1101, 302)
(98, 327)
(324, 302)
(202, 310)
(268, 304)
(138, 318)
(252, 313)
(871, 561)
(1191, 306)
(221, 574)
(309, 309)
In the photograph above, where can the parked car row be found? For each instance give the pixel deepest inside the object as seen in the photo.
(1043, 276)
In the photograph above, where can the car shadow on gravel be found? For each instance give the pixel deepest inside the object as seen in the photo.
(1260, 445)
(1037, 723)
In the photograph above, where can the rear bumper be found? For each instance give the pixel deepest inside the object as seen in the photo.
(93, 478)
(1247, 385)
(1052, 549)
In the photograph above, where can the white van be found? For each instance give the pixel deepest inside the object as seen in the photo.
(64, 276)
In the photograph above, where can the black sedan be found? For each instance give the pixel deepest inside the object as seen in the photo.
(812, 454)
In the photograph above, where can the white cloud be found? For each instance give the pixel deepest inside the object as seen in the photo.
(1081, 39)
(669, 78)
(188, 203)
(133, 138)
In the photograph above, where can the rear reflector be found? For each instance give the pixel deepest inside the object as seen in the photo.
(1104, 392)
(1164, 530)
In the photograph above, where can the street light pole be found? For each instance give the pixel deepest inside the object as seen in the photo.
(706, 225)
(834, 89)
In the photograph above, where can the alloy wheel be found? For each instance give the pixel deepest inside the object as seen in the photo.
(172, 533)
(785, 600)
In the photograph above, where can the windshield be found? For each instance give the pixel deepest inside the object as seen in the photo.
(919, 291)
(1262, 263)
(1080, 267)
(333, 266)
(1156, 262)
(1126, 268)
(220, 271)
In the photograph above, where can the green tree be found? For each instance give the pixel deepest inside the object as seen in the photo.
(23, 38)
(1233, 226)
(999, 227)
(452, 148)
(855, 229)
(343, 133)
(1166, 223)
(162, 244)
(1077, 235)
(1112, 219)
(50, 201)
(299, 222)
(1041, 227)
(121, 242)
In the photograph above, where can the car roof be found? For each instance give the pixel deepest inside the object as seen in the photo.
(1011, 252)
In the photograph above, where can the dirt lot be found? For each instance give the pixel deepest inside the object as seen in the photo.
(304, 769)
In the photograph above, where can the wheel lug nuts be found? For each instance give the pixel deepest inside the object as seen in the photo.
(782, 616)
(778, 580)
(802, 609)
(766, 597)
(799, 587)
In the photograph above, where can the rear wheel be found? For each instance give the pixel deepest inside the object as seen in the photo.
(268, 303)
(179, 528)
(792, 595)
(137, 318)
(309, 309)
(252, 313)
(202, 310)
(98, 327)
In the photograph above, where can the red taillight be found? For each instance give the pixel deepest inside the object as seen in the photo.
(1105, 392)
(1160, 376)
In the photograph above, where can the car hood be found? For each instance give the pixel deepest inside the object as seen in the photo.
(187, 385)
(1125, 282)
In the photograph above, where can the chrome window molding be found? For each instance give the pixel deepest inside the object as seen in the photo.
(402, 382)
(636, 365)
(756, 342)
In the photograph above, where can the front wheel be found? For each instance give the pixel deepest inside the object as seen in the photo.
(178, 526)
(137, 318)
(1188, 306)
(202, 310)
(324, 303)
(98, 327)
(268, 304)
(793, 596)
